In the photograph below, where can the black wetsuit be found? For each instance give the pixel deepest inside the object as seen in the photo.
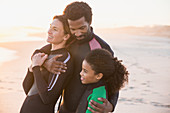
(74, 91)
(90, 90)
(43, 88)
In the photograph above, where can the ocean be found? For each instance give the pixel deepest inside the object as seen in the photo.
(7, 55)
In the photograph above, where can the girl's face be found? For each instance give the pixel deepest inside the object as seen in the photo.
(56, 32)
(87, 74)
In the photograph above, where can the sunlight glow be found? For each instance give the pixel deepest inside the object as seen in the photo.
(113, 13)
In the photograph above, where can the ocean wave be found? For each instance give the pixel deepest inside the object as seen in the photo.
(7, 55)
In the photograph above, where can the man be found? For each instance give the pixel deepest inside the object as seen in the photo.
(79, 16)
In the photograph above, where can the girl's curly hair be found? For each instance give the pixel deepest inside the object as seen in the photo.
(115, 74)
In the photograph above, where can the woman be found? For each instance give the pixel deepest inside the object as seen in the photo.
(42, 87)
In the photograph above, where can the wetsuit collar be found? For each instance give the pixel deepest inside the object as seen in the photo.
(95, 85)
(57, 50)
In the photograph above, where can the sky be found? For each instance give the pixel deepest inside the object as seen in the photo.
(106, 13)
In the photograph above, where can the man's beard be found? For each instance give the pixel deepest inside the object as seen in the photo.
(83, 36)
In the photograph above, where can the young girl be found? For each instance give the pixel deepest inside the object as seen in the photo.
(42, 87)
(103, 75)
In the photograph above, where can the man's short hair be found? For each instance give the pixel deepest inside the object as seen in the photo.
(76, 10)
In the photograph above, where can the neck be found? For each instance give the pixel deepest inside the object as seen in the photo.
(57, 46)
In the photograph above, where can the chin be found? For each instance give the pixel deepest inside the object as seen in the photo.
(83, 82)
(80, 38)
(49, 41)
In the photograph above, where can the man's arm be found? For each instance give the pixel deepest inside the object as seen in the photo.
(101, 108)
(54, 66)
(113, 99)
(106, 106)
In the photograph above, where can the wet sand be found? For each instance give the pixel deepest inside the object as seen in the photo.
(148, 62)
(12, 73)
(147, 59)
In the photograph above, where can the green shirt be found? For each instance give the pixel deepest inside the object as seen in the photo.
(99, 92)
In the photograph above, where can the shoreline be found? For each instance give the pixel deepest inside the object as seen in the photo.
(21, 48)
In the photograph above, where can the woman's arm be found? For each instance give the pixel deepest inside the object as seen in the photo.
(51, 92)
(28, 81)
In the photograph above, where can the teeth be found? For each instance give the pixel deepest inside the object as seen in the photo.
(50, 37)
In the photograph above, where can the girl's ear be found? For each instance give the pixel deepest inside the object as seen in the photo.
(67, 36)
(99, 76)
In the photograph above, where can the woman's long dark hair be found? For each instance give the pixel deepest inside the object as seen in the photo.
(115, 74)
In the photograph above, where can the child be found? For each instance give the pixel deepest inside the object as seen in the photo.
(102, 74)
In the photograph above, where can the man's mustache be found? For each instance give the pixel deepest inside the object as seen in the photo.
(79, 36)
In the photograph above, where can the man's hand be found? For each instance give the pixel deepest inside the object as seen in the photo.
(101, 108)
(54, 66)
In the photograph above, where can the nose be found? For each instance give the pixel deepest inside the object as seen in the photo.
(78, 33)
(81, 73)
(49, 31)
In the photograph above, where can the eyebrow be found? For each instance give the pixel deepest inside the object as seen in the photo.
(53, 26)
(79, 27)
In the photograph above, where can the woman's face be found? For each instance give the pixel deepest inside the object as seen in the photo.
(56, 32)
(87, 74)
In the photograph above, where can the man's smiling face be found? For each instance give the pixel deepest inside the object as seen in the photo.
(79, 28)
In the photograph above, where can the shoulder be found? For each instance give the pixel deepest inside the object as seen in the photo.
(99, 92)
(101, 89)
(66, 56)
(103, 43)
(46, 48)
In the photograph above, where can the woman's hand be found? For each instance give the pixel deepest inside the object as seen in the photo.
(38, 59)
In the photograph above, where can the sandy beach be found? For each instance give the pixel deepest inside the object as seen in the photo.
(147, 59)
(12, 73)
